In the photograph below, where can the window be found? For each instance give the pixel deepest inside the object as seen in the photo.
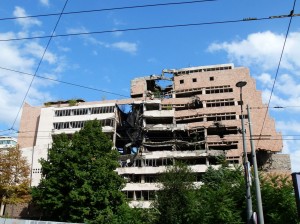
(218, 89)
(211, 78)
(220, 103)
(84, 111)
(80, 124)
(194, 80)
(181, 81)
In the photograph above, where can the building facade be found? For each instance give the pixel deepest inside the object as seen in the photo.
(192, 115)
(7, 142)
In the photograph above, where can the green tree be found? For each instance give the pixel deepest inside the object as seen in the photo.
(14, 177)
(175, 198)
(278, 199)
(79, 182)
(221, 197)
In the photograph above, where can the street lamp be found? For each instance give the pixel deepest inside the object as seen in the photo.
(241, 84)
(256, 177)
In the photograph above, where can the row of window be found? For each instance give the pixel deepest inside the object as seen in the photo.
(7, 142)
(218, 89)
(135, 178)
(220, 103)
(207, 90)
(84, 111)
(140, 195)
(207, 117)
(36, 170)
(203, 70)
(80, 124)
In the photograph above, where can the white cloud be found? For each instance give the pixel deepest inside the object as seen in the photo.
(286, 91)
(26, 22)
(44, 2)
(37, 50)
(263, 49)
(125, 46)
(22, 57)
(265, 79)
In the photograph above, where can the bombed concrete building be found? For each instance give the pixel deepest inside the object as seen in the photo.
(192, 115)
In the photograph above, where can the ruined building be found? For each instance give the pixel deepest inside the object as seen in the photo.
(191, 115)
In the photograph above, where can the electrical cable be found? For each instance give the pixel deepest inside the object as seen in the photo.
(107, 9)
(64, 82)
(149, 28)
(278, 67)
(39, 64)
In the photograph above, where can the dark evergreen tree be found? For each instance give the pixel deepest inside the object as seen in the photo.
(79, 182)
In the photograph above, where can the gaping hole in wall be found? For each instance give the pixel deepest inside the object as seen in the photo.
(158, 136)
(159, 148)
(189, 120)
(151, 106)
(192, 161)
(159, 120)
(159, 87)
(222, 145)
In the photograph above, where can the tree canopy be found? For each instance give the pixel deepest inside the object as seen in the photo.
(79, 182)
(14, 177)
(221, 197)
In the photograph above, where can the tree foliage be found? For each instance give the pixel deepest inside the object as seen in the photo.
(14, 177)
(221, 197)
(278, 199)
(79, 182)
(176, 196)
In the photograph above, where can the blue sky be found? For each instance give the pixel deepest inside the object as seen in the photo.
(109, 61)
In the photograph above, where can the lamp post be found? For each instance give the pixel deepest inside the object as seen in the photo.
(241, 84)
(256, 177)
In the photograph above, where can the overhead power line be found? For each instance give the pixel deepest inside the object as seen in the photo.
(107, 9)
(275, 107)
(39, 64)
(278, 67)
(151, 28)
(64, 82)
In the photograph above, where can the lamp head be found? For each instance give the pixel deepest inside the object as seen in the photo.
(241, 84)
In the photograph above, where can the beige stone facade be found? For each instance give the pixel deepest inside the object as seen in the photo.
(191, 115)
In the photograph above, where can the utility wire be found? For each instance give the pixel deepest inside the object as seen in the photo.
(39, 64)
(64, 82)
(107, 9)
(278, 67)
(275, 107)
(150, 28)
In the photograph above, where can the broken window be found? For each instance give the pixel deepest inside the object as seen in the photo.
(84, 111)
